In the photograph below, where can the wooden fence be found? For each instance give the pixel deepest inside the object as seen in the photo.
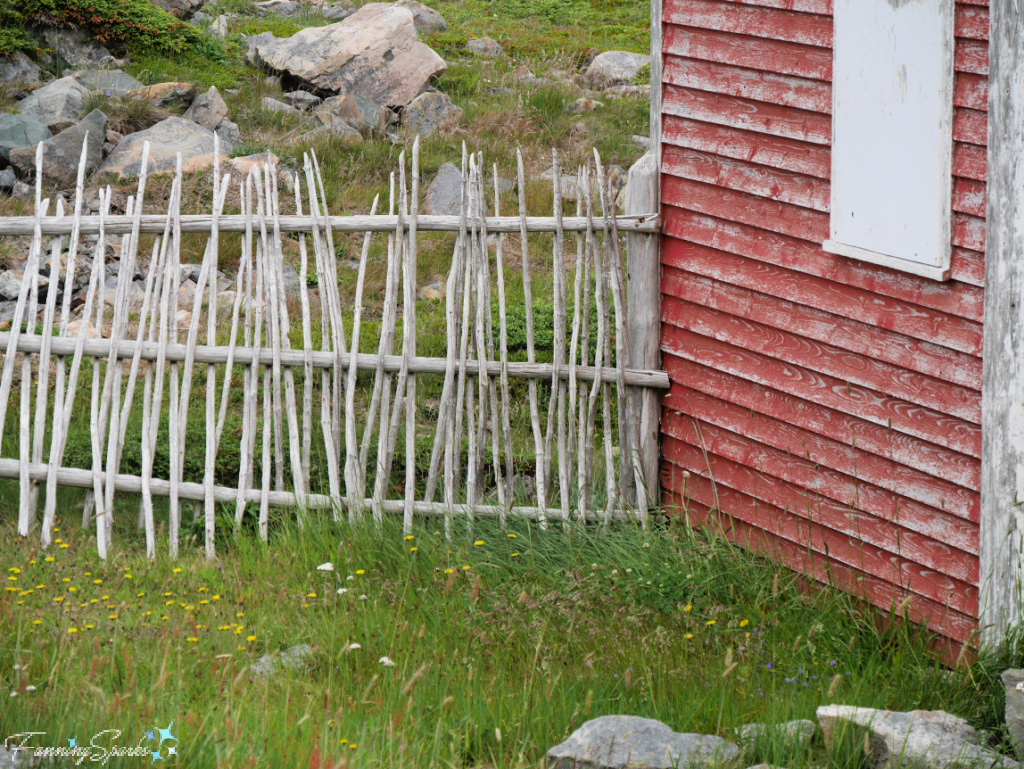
(287, 389)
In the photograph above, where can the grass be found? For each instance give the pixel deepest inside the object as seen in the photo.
(503, 641)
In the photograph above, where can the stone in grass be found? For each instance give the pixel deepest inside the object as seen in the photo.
(485, 46)
(429, 112)
(208, 109)
(425, 19)
(62, 153)
(304, 101)
(583, 105)
(433, 291)
(273, 105)
(166, 139)
(616, 67)
(295, 658)
(367, 117)
(20, 69)
(165, 94)
(18, 131)
(337, 129)
(932, 739)
(618, 742)
(78, 50)
(7, 179)
(57, 105)
(793, 733)
(112, 82)
(1013, 681)
(444, 195)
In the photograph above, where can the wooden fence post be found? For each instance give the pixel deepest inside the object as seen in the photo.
(644, 310)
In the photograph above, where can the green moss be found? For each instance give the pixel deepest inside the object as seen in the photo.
(132, 25)
(12, 33)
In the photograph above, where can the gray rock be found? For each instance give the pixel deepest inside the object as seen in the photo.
(10, 285)
(229, 135)
(208, 110)
(433, 291)
(20, 131)
(303, 101)
(643, 142)
(199, 19)
(444, 195)
(932, 739)
(22, 191)
(7, 314)
(295, 658)
(792, 733)
(219, 28)
(429, 112)
(359, 112)
(278, 106)
(57, 105)
(112, 82)
(63, 153)
(583, 105)
(7, 179)
(278, 7)
(19, 69)
(292, 284)
(485, 46)
(166, 94)
(337, 129)
(180, 8)
(616, 66)
(425, 19)
(618, 742)
(78, 50)
(374, 52)
(336, 11)
(166, 139)
(1013, 681)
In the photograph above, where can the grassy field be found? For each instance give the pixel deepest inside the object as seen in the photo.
(502, 642)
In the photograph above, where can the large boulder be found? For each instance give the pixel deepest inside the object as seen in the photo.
(166, 139)
(616, 67)
(618, 742)
(112, 82)
(374, 52)
(18, 69)
(425, 19)
(20, 131)
(166, 94)
(1013, 683)
(485, 46)
(922, 739)
(180, 8)
(57, 105)
(208, 109)
(78, 50)
(430, 112)
(62, 153)
(359, 112)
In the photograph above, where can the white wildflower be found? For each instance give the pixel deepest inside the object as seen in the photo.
(325, 567)
(387, 662)
(30, 688)
(349, 577)
(353, 647)
(14, 694)
(342, 590)
(363, 598)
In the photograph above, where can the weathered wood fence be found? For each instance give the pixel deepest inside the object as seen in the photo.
(134, 347)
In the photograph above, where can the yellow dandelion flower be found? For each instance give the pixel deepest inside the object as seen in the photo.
(512, 536)
(72, 589)
(14, 570)
(59, 598)
(360, 571)
(240, 614)
(353, 746)
(192, 640)
(40, 587)
(343, 742)
(449, 571)
(413, 549)
(241, 648)
(168, 594)
(176, 570)
(49, 559)
(465, 568)
(410, 538)
(89, 627)
(112, 616)
(11, 589)
(744, 623)
(13, 579)
(689, 607)
(127, 576)
(139, 595)
(478, 542)
(164, 617)
(688, 636)
(515, 555)
(64, 546)
(72, 630)
(37, 622)
(66, 579)
(32, 561)
(215, 598)
(149, 614)
(203, 602)
(97, 582)
(710, 622)
(20, 603)
(104, 597)
(310, 595)
(168, 603)
(58, 541)
(250, 638)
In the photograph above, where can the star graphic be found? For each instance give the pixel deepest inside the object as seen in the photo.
(73, 742)
(165, 734)
(172, 752)
(156, 756)
(149, 736)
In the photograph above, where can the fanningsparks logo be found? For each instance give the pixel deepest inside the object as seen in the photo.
(100, 748)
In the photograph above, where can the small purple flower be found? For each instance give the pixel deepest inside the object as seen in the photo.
(814, 678)
(108, 92)
(616, 675)
(789, 680)
(768, 666)
(831, 662)
(261, 14)
(805, 683)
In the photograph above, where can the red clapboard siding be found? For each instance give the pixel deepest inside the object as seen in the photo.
(828, 391)
(812, 95)
(823, 409)
(972, 22)
(771, 23)
(848, 444)
(776, 56)
(803, 257)
(746, 114)
(971, 91)
(970, 126)
(765, 150)
(939, 397)
(970, 162)
(740, 464)
(784, 186)
(764, 214)
(864, 306)
(820, 567)
(782, 521)
(709, 286)
(971, 56)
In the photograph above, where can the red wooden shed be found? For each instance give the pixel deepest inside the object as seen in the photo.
(823, 172)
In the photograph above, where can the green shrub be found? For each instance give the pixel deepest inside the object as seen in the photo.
(563, 12)
(12, 33)
(134, 25)
(643, 75)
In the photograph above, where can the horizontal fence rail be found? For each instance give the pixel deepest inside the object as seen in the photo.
(282, 385)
